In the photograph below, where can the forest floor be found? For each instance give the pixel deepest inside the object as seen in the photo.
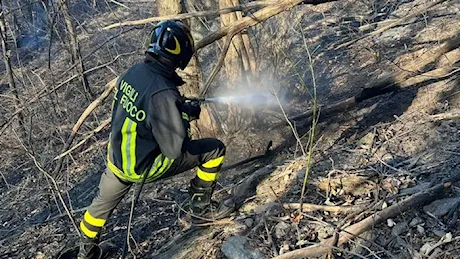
(371, 157)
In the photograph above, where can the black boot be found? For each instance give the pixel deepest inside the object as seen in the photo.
(200, 195)
(202, 205)
(89, 248)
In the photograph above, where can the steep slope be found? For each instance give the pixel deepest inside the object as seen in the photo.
(370, 156)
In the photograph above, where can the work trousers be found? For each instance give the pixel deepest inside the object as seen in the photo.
(206, 154)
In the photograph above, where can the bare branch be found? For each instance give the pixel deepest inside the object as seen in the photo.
(9, 70)
(75, 46)
(243, 7)
(254, 19)
(109, 88)
(218, 66)
(45, 91)
(91, 134)
(234, 28)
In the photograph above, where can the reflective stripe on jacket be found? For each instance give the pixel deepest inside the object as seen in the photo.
(133, 149)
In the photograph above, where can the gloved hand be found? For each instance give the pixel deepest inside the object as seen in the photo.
(190, 111)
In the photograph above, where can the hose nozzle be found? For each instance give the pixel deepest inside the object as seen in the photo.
(198, 100)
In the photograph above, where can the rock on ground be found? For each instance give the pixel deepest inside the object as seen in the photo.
(237, 247)
(441, 207)
(280, 229)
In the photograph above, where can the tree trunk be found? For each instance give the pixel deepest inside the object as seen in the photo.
(240, 56)
(239, 64)
(237, 59)
(249, 58)
(74, 46)
(167, 7)
(206, 126)
(9, 70)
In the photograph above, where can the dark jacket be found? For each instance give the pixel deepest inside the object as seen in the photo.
(148, 131)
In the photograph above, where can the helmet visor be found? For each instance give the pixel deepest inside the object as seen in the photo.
(155, 36)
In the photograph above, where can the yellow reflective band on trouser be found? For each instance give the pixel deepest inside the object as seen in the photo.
(160, 166)
(206, 176)
(96, 222)
(128, 146)
(185, 116)
(86, 231)
(214, 162)
(166, 164)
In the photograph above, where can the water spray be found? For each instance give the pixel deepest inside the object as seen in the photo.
(255, 99)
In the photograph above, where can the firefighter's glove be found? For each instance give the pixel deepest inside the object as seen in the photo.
(190, 111)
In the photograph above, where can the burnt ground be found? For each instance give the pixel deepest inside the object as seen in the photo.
(384, 149)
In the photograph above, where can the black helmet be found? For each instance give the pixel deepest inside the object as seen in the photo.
(173, 41)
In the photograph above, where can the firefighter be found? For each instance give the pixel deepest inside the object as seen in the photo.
(150, 135)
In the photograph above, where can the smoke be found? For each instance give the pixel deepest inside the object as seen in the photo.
(254, 99)
(34, 34)
(259, 93)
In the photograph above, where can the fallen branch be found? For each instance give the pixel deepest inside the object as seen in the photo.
(436, 74)
(306, 207)
(394, 24)
(89, 136)
(416, 200)
(211, 13)
(94, 146)
(109, 88)
(444, 116)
